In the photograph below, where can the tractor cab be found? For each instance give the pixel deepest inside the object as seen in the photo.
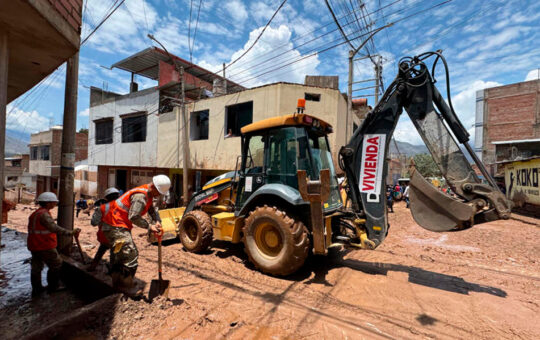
(273, 150)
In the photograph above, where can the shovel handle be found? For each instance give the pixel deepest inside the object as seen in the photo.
(76, 236)
(159, 236)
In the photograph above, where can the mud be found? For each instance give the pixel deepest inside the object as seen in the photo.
(481, 283)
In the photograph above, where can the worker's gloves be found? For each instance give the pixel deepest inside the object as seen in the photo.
(156, 228)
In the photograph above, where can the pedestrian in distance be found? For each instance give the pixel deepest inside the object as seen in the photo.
(102, 208)
(126, 211)
(390, 199)
(81, 204)
(42, 242)
(406, 195)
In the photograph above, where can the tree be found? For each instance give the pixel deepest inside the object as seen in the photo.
(83, 130)
(426, 165)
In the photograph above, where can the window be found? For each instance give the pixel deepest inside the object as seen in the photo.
(314, 97)
(85, 175)
(33, 153)
(134, 129)
(236, 117)
(140, 177)
(16, 163)
(44, 152)
(104, 131)
(199, 125)
(12, 178)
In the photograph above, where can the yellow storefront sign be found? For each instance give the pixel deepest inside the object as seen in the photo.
(523, 182)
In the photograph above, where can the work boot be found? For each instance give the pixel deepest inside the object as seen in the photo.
(53, 279)
(37, 287)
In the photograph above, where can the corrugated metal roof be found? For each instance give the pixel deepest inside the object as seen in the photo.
(516, 141)
(146, 63)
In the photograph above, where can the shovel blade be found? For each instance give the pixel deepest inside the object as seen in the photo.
(158, 288)
(434, 210)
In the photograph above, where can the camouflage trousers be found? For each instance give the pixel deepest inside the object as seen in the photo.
(124, 253)
(53, 260)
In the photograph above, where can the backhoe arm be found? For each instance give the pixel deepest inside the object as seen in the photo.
(364, 159)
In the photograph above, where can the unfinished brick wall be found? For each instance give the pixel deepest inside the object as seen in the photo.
(71, 11)
(511, 112)
(81, 146)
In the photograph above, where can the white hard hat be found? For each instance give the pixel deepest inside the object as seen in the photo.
(110, 191)
(162, 183)
(47, 197)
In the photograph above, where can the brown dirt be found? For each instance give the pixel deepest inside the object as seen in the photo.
(480, 283)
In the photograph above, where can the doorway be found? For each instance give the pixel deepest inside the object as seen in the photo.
(121, 180)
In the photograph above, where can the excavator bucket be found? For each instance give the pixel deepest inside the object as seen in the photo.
(434, 210)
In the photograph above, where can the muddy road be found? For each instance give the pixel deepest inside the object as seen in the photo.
(482, 283)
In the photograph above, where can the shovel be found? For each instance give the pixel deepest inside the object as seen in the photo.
(76, 236)
(160, 286)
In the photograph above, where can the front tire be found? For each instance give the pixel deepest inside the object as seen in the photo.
(196, 231)
(275, 243)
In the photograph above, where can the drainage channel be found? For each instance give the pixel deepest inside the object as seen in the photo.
(54, 315)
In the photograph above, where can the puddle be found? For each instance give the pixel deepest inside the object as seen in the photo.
(19, 313)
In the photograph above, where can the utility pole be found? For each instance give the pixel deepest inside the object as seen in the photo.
(224, 80)
(378, 70)
(352, 53)
(4, 60)
(67, 159)
(349, 94)
(185, 171)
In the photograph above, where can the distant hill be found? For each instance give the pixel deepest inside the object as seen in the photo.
(16, 143)
(407, 148)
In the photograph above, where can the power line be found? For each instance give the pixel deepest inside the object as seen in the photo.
(341, 43)
(337, 24)
(195, 33)
(272, 58)
(189, 28)
(102, 22)
(279, 47)
(260, 34)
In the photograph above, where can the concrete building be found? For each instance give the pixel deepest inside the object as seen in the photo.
(16, 173)
(507, 124)
(85, 183)
(45, 151)
(123, 133)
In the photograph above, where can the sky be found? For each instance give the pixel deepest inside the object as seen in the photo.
(486, 44)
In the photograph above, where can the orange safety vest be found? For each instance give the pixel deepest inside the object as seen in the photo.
(119, 209)
(105, 209)
(39, 237)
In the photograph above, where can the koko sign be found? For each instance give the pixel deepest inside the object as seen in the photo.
(523, 182)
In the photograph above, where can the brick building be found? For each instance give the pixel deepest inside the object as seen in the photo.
(45, 153)
(507, 124)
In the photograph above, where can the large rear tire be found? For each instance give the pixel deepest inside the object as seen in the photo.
(196, 231)
(275, 243)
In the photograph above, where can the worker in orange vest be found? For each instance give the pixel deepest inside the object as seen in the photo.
(127, 210)
(103, 208)
(42, 243)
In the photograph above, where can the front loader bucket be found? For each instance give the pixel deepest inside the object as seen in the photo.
(434, 210)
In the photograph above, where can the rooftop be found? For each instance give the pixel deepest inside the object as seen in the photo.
(146, 64)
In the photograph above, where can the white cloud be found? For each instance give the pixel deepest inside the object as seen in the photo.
(237, 10)
(84, 113)
(276, 40)
(26, 121)
(533, 75)
(125, 31)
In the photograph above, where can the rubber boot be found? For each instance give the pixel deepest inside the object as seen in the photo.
(37, 287)
(53, 280)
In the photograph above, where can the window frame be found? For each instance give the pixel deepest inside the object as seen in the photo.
(126, 125)
(198, 127)
(238, 128)
(103, 121)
